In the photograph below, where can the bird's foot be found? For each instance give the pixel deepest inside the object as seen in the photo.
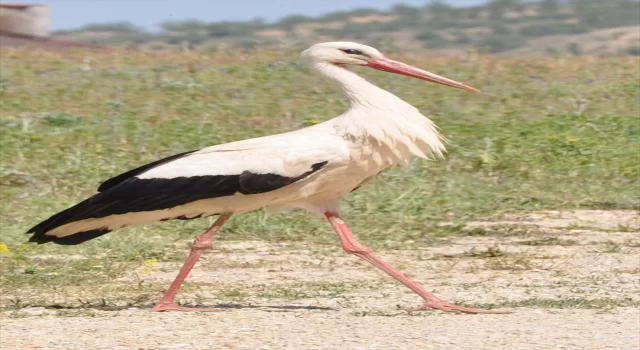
(446, 307)
(173, 307)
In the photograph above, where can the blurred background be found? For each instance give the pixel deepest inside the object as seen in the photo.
(512, 27)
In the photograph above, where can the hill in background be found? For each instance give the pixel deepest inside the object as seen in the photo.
(596, 27)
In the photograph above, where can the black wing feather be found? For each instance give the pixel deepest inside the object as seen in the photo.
(139, 170)
(252, 183)
(127, 193)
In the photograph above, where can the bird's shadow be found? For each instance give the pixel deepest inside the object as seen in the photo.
(268, 308)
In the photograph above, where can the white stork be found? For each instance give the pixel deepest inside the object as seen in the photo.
(312, 168)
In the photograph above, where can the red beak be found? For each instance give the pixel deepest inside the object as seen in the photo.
(389, 65)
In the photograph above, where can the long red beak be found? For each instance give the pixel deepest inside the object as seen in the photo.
(389, 65)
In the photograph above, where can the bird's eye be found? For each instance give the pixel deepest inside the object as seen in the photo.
(352, 51)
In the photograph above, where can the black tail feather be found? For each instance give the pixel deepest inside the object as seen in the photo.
(64, 217)
(76, 238)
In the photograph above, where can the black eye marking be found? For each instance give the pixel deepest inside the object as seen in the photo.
(352, 52)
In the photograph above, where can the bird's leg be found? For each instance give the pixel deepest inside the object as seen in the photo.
(352, 246)
(201, 243)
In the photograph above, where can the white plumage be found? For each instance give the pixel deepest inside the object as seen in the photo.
(312, 168)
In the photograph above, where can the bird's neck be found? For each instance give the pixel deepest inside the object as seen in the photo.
(358, 90)
(377, 116)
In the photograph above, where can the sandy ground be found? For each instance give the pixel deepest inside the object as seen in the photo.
(569, 278)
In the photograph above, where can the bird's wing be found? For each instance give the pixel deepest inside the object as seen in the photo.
(287, 155)
(156, 189)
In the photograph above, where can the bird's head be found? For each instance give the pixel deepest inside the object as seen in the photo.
(342, 53)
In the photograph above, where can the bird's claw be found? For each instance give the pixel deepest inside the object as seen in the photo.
(446, 307)
(173, 307)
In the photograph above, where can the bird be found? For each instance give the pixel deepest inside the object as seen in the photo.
(312, 168)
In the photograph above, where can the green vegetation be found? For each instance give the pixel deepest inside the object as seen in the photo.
(543, 134)
(556, 133)
(497, 26)
(568, 303)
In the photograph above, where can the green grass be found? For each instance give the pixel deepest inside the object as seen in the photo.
(564, 303)
(549, 241)
(545, 133)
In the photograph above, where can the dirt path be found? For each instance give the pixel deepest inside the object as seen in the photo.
(571, 280)
(319, 329)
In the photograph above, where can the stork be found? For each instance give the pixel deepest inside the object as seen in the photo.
(312, 168)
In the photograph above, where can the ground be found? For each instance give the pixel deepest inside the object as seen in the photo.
(569, 279)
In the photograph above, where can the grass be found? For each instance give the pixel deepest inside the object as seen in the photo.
(549, 241)
(564, 303)
(546, 133)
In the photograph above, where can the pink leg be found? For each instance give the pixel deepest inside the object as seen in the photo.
(352, 246)
(201, 243)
